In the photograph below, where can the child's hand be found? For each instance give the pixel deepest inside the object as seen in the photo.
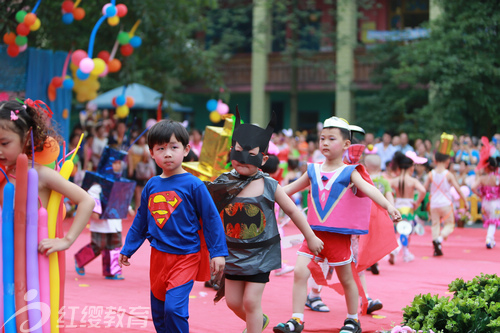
(217, 265)
(394, 213)
(51, 245)
(123, 260)
(315, 244)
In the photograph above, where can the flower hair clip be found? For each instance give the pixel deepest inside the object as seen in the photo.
(13, 116)
(38, 104)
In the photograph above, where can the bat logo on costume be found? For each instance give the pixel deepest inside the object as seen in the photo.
(243, 220)
(161, 205)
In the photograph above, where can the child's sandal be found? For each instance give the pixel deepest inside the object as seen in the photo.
(79, 270)
(316, 304)
(351, 326)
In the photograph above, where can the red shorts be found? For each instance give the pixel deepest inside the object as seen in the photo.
(336, 249)
(168, 271)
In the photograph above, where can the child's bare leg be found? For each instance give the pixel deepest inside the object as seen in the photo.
(234, 293)
(252, 304)
(436, 223)
(300, 276)
(448, 223)
(346, 278)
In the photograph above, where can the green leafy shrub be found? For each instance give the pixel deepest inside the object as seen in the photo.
(474, 308)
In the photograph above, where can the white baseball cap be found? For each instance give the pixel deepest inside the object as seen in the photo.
(341, 123)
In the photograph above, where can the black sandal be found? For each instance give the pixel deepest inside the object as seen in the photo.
(351, 326)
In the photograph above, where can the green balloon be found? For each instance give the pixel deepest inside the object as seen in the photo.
(21, 40)
(123, 38)
(20, 16)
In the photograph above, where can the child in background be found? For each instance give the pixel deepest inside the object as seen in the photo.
(440, 181)
(105, 237)
(333, 217)
(16, 119)
(404, 186)
(487, 186)
(172, 206)
(245, 198)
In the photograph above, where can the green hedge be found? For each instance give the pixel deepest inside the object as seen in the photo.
(474, 308)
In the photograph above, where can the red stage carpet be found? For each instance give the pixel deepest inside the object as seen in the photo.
(94, 304)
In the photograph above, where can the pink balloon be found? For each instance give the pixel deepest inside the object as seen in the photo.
(23, 48)
(222, 108)
(4, 96)
(104, 8)
(150, 122)
(86, 65)
(77, 56)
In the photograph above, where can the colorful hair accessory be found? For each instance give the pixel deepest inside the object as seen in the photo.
(370, 149)
(13, 116)
(445, 144)
(416, 159)
(38, 104)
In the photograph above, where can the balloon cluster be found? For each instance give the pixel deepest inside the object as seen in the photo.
(71, 12)
(113, 13)
(86, 70)
(217, 109)
(85, 89)
(128, 42)
(123, 104)
(27, 22)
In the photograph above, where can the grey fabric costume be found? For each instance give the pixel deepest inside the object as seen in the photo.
(252, 233)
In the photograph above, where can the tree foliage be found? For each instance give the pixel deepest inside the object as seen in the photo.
(173, 53)
(457, 65)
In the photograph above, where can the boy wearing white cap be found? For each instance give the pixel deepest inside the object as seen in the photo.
(339, 206)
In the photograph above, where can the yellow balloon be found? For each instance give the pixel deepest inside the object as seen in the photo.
(99, 66)
(122, 111)
(214, 117)
(73, 67)
(114, 20)
(35, 26)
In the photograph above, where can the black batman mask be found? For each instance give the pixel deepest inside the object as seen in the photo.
(248, 137)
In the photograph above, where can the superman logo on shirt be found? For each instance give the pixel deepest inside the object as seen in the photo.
(161, 205)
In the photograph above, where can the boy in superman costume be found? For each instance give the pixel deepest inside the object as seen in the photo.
(175, 207)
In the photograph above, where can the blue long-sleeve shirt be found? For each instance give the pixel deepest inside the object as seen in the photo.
(169, 217)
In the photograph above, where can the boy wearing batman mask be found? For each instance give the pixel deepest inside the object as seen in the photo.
(245, 198)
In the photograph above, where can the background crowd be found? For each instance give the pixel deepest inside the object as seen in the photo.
(294, 151)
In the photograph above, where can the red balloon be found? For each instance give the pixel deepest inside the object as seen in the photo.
(77, 56)
(104, 55)
(68, 6)
(130, 101)
(126, 50)
(57, 81)
(9, 38)
(13, 50)
(78, 13)
(22, 29)
(113, 101)
(121, 10)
